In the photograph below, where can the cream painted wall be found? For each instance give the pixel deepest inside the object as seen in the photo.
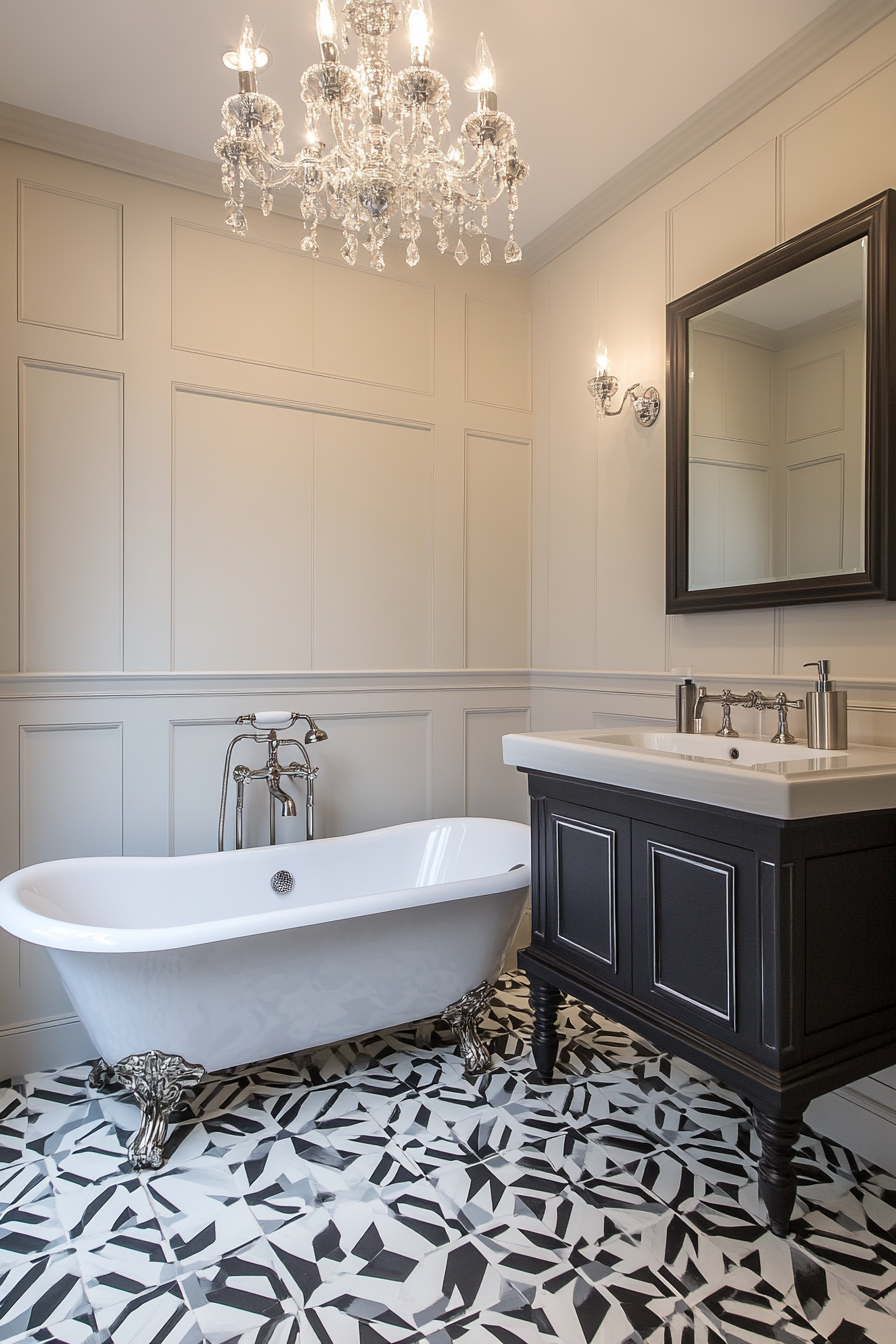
(232, 477)
(598, 524)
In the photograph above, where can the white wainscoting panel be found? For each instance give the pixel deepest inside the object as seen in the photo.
(241, 297)
(491, 788)
(242, 542)
(373, 328)
(497, 552)
(70, 790)
(725, 223)
(570, 443)
(71, 517)
(375, 770)
(499, 355)
(70, 261)
(372, 544)
(847, 132)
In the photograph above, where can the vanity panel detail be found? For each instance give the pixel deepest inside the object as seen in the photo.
(850, 936)
(694, 912)
(762, 949)
(587, 910)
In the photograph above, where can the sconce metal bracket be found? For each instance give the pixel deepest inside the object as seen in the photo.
(646, 407)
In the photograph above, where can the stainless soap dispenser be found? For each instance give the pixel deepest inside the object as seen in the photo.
(825, 711)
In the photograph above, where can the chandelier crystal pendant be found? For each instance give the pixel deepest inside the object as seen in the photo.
(370, 176)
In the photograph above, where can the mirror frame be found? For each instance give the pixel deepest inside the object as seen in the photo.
(876, 220)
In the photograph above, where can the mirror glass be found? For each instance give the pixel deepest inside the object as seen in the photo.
(776, 427)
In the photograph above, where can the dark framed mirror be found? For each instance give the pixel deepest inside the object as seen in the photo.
(781, 430)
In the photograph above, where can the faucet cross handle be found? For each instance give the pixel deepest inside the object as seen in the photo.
(728, 698)
(784, 736)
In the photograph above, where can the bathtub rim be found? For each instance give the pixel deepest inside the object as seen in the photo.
(18, 919)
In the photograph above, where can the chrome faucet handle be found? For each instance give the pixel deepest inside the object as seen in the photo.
(728, 698)
(783, 736)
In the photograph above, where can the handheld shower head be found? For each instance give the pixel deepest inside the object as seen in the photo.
(314, 734)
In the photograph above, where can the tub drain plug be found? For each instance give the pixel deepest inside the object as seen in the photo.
(283, 881)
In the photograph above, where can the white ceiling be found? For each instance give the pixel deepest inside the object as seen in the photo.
(591, 84)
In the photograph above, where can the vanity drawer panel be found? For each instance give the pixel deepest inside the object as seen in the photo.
(694, 931)
(588, 911)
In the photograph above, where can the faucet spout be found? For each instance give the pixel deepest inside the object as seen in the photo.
(287, 803)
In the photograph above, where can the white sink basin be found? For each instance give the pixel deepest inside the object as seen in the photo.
(747, 774)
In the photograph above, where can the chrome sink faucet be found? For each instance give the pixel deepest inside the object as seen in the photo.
(690, 701)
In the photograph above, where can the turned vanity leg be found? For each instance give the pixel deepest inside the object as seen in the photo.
(545, 1000)
(157, 1081)
(777, 1180)
(463, 1017)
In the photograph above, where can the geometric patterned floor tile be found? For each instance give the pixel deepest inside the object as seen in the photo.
(369, 1191)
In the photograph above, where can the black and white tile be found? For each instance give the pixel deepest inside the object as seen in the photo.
(369, 1191)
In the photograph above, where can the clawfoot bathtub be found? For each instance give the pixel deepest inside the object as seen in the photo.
(225, 959)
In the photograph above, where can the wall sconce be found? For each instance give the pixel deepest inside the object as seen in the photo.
(603, 387)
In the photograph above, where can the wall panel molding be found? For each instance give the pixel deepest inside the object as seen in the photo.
(497, 549)
(70, 790)
(70, 270)
(71, 517)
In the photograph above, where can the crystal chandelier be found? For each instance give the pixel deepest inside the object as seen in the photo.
(370, 175)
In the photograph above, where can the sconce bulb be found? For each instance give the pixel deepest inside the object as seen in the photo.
(246, 50)
(420, 29)
(602, 363)
(485, 80)
(326, 21)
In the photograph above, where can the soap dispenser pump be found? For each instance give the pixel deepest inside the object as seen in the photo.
(825, 711)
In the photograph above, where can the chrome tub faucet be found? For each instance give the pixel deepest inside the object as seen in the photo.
(271, 773)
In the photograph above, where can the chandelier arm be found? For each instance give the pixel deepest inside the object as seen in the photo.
(283, 168)
(342, 143)
(479, 202)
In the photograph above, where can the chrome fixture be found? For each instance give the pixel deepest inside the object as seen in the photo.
(690, 701)
(603, 388)
(272, 772)
(463, 1018)
(157, 1081)
(371, 174)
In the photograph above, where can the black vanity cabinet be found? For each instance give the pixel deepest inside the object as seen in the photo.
(762, 950)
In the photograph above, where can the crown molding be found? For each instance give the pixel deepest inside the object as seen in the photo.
(90, 145)
(839, 25)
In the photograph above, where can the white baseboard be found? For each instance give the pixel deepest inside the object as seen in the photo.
(860, 1123)
(51, 1043)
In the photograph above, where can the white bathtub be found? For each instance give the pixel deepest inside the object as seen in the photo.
(198, 956)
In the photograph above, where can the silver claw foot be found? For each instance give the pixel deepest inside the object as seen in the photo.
(101, 1076)
(157, 1081)
(463, 1019)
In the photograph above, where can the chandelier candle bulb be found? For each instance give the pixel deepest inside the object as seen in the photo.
(420, 30)
(246, 63)
(326, 30)
(375, 178)
(486, 79)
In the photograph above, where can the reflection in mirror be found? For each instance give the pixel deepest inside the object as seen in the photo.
(776, 442)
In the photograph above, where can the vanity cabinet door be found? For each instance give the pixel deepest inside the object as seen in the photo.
(694, 931)
(587, 905)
